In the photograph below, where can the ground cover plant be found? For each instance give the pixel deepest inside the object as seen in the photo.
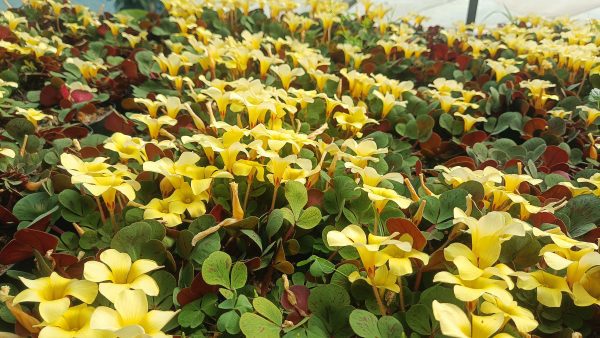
(231, 168)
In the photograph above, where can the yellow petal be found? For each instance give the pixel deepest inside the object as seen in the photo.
(466, 269)
(118, 262)
(355, 233)
(201, 185)
(131, 331)
(581, 297)
(96, 272)
(146, 284)
(126, 190)
(446, 277)
(485, 326)
(524, 321)
(457, 250)
(155, 320)
(53, 332)
(28, 295)
(52, 310)
(105, 318)
(453, 321)
(555, 261)
(140, 267)
(132, 306)
(83, 290)
(337, 238)
(549, 297)
(400, 266)
(196, 209)
(96, 190)
(112, 291)
(467, 294)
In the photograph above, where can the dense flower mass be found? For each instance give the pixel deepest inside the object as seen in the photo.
(279, 168)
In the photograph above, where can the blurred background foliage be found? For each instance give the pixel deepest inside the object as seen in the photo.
(149, 5)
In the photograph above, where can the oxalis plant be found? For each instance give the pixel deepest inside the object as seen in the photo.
(265, 169)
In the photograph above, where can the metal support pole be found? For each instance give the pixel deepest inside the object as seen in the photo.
(472, 11)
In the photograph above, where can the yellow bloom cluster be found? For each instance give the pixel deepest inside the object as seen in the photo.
(123, 282)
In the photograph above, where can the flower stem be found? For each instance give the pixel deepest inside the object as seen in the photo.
(401, 295)
(276, 188)
(113, 220)
(102, 215)
(382, 307)
(248, 189)
(376, 223)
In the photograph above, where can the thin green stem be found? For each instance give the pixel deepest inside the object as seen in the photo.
(401, 295)
(276, 188)
(382, 307)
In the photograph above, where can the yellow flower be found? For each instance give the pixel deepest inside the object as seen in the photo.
(469, 120)
(172, 104)
(151, 106)
(399, 259)
(537, 90)
(368, 246)
(371, 177)
(584, 276)
(115, 272)
(88, 69)
(513, 181)
(501, 69)
(591, 114)
(353, 120)
(382, 278)
(286, 74)
(134, 40)
(387, 46)
(321, 78)
(488, 233)
(358, 58)
(3, 84)
(281, 169)
(523, 318)
(560, 113)
(13, 20)
(77, 167)
(172, 63)
(468, 95)
(455, 323)
(230, 154)
(456, 176)
(154, 124)
(126, 146)
(53, 294)
(33, 115)
(257, 108)
(173, 171)
(184, 198)
(131, 317)
(75, 322)
(7, 152)
(549, 287)
(381, 196)
(163, 211)
(107, 185)
(388, 102)
(364, 152)
(265, 62)
(446, 87)
(471, 283)
(446, 101)
(222, 99)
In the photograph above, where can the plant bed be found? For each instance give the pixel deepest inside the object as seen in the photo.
(238, 168)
